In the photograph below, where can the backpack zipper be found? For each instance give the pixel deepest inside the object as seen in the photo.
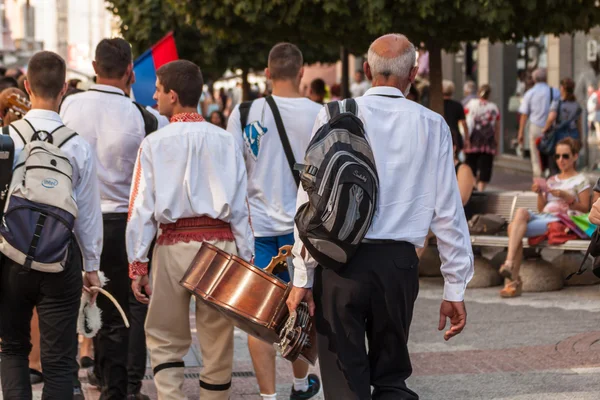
(353, 212)
(49, 168)
(50, 213)
(330, 166)
(39, 148)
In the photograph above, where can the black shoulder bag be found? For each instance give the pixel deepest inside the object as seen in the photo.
(284, 139)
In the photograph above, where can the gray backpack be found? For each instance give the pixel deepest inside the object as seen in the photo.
(340, 178)
(40, 211)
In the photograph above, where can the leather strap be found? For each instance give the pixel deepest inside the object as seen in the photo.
(582, 269)
(244, 113)
(284, 139)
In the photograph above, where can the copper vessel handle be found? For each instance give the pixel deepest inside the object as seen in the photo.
(280, 259)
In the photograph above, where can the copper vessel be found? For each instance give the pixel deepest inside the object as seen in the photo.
(254, 299)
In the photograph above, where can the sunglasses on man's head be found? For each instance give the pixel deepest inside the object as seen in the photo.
(559, 156)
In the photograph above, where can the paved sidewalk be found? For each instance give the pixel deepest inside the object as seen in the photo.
(539, 346)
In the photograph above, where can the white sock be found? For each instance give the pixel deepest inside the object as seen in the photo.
(269, 396)
(301, 385)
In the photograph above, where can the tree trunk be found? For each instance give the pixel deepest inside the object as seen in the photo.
(345, 84)
(436, 99)
(245, 85)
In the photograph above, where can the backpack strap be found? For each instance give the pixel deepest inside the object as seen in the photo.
(244, 113)
(24, 129)
(150, 120)
(336, 108)
(289, 154)
(62, 135)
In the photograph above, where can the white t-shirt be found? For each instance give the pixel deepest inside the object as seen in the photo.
(358, 89)
(272, 190)
(573, 185)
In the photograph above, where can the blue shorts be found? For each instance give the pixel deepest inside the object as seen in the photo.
(538, 223)
(265, 248)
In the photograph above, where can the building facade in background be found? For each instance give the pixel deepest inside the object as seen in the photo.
(72, 28)
(498, 64)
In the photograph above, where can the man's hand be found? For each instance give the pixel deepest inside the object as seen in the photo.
(521, 138)
(457, 313)
(595, 213)
(139, 283)
(297, 295)
(91, 279)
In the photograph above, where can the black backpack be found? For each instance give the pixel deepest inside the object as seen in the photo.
(341, 181)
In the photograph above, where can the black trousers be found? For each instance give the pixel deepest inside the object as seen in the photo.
(112, 341)
(136, 366)
(57, 297)
(373, 295)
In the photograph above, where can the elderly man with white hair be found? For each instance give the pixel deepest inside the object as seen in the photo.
(469, 91)
(374, 293)
(535, 107)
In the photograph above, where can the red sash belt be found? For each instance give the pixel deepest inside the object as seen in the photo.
(197, 229)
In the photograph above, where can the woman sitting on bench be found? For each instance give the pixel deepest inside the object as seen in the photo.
(561, 193)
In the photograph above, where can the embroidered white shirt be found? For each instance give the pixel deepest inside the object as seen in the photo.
(186, 170)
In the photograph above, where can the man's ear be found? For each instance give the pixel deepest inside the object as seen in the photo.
(367, 69)
(301, 74)
(95, 66)
(28, 88)
(64, 89)
(267, 73)
(413, 74)
(174, 97)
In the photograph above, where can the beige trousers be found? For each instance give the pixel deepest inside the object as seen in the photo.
(534, 133)
(168, 328)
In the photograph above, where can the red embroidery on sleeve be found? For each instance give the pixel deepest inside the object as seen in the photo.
(137, 177)
(137, 268)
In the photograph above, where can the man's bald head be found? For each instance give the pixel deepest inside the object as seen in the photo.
(392, 55)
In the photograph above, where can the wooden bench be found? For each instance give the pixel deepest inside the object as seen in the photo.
(505, 204)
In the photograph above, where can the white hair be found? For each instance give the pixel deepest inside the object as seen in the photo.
(540, 75)
(447, 87)
(469, 87)
(399, 66)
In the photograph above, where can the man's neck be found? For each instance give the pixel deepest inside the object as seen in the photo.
(286, 88)
(118, 83)
(183, 110)
(43, 104)
(391, 81)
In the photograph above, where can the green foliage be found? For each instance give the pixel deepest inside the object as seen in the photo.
(144, 22)
(239, 33)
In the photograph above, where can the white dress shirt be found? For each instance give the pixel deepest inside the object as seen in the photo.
(186, 170)
(418, 189)
(114, 127)
(272, 190)
(88, 224)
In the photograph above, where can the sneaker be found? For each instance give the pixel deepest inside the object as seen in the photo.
(137, 396)
(78, 394)
(314, 387)
(86, 362)
(93, 379)
(35, 376)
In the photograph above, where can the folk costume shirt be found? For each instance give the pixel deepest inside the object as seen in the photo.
(190, 168)
(272, 190)
(418, 189)
(88, 224)
(114, 128)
